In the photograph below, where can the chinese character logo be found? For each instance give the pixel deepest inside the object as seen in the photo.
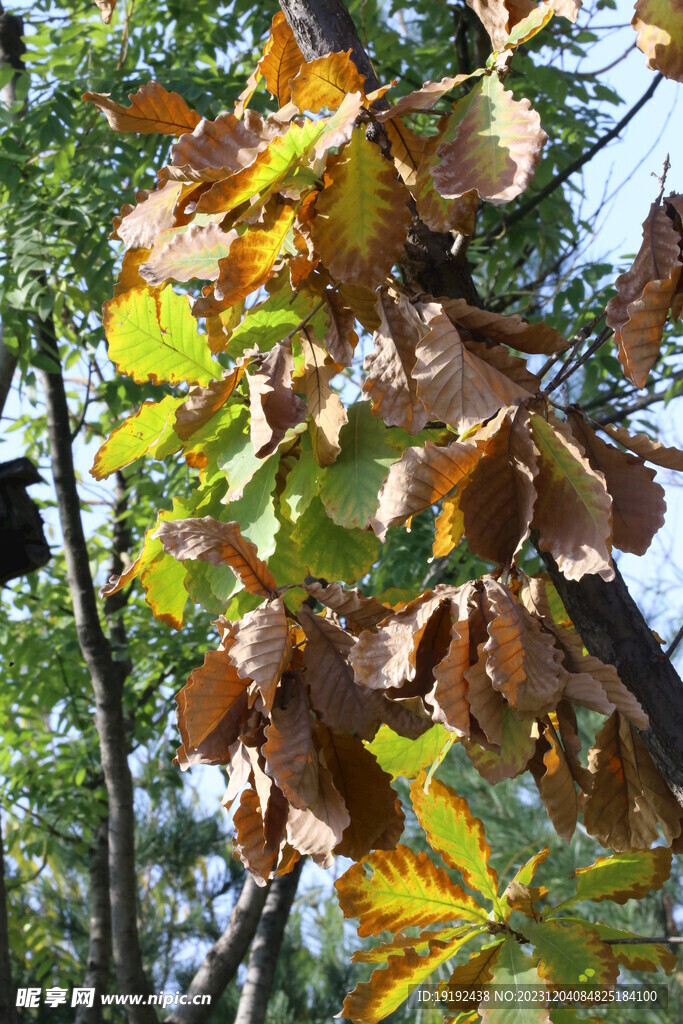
(83, 997)
(28, 997)
(55, 996)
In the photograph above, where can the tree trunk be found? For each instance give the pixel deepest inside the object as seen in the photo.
(99, 947)
(605, 614)
(12, 49)
(107, 677)
(220, 964)
(8, 994)
(266, 948)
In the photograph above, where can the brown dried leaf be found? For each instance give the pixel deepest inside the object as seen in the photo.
(261, 650)
(273, 405)
(212, 707)
(645, 447)
(634, 523)
(593, 683)
(249, 841)
(390, 383)
(289, 752)
(376, 815)
(203, 403)
(517, 745)
(573, 509)
(215, 149)
(498, 498)
(523, 662)
(340, 337)
(449, 696)
(186, 254)
(387, 659)
(556, 784)
(361, 611)
(139, 226)
(153, 110)
(423, 98)
(453, 384)
(644, 294)
(106, 9)
(486, 704)
(629, 796)
(659, 24)
(326, 409)
(281, 59)
(221, 544)
(508, 330)
(317, 829)
(438, 213)
(421, 477)
(500, 359)
(406, 150)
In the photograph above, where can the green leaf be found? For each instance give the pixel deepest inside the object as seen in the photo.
(648, 956)
(571, 954)
(150, 427)
(625, 876)
(164, 590)
(513, 968)
(236, 457)
(458, 836)
(157, 340)
(303, 481)
(332, 552)
(255, 510)
(400, 756)
(271, 320)
(349, 487)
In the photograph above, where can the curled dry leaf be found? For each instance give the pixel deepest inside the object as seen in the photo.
(249, 843)
(645, 447)
(153, 110)
(387, 658)
(500, 17)
(494, 144)
(188, 254)
(326, 408)
(497, 500)
(261, 649)
(453, 384)
(522, 660)
(486, 704)
(573, 509)
(634, 524)
(449, 695)
(216, 149)
(629, 797)
(273, 405)
(638, 311)
(390, 382)
(291, 757)
(507, 330)
(212, 708)
(555, 783)
(517, 745)
(659, 24)
(364, 612)
(281, 59)
(361, 215)
(317, 829)
(209, 540)
(203, 403)
(139, 226)
(421, 477)
(438, 213)
(106, 9)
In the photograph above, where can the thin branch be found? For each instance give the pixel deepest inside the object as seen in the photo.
(669, 939)
(608, 67)
(674, 644)
(576, 165)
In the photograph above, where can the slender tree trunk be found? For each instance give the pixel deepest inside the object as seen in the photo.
(99, 947)
(12, 49)
(107, 677)
(266, 948)
(220, 964)
(609, 621)
(8, 994)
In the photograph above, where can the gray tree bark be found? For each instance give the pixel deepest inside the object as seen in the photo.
(266, 948)
(107, 677)
(12, 49)
(99, 946)
(220, 964)
(609, 621)
(8, 993)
